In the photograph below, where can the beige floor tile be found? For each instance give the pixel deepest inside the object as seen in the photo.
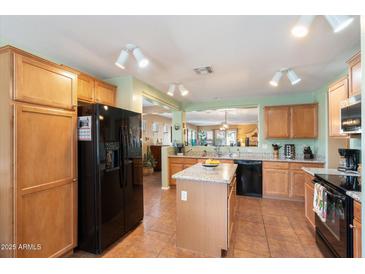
(276, 220)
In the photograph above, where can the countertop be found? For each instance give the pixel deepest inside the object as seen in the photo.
(249, 157)
(220, 174)
(356, 195)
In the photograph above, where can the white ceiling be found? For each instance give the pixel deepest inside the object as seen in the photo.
(244, 51)
(235, 116)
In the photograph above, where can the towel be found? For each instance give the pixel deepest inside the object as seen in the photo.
(320, 202)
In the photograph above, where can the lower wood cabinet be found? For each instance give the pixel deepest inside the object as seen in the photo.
(356, 230)
(285, 180)
(308, 198)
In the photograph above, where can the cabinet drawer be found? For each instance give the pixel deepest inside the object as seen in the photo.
(300, 165)
(177, 160)
(276, 165)
(43, 84)
(357, 211)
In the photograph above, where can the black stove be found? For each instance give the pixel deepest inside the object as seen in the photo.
(342, 183)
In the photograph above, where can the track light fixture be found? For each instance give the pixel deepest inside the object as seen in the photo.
(137, 53)
(292, 76)
(337, 22)
(182, 89)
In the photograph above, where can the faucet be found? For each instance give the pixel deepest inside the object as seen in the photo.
(186, 152)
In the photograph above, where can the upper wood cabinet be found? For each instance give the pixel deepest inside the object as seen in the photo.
(39, 82)
(291, 121)
(337, 92)
(105, 93)
(277, 122)
(303, 121)
(85, 88)
(354, 75)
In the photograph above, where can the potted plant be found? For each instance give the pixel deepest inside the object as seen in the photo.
(148, 162)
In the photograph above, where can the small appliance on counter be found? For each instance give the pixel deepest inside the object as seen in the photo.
(307, 152)
(179, 149)
(289, 151)
(351, 159)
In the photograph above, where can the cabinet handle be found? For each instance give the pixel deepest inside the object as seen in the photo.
(352, 226)
(74, 180)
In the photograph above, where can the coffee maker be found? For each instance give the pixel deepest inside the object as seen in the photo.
(352, 159)
(179, 149)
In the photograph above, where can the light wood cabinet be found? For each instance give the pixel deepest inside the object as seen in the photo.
(354, 71)
(40, 83)
(356, 230)
(303, 121)
(337, 92)
(291, 121)
(85, 88)
(285, 180)
(38, 153)
(177, 164)
(276, 183)
(308, 200)
(105, 93)
(277, 122)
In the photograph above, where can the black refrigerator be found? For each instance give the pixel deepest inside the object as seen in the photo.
(110, 176)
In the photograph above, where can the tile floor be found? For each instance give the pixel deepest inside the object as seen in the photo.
(263, 228)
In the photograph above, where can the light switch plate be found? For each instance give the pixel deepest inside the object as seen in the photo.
(184, 195)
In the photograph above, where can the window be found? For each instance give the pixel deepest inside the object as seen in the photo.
(231, 137)
(220, 137)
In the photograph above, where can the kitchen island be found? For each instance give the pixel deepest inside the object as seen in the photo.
(205, 204)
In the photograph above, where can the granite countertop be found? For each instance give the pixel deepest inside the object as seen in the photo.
(249, 157)
(220, 174)
(356, 195)
(330, 171)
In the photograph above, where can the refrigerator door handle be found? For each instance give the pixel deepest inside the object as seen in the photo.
(121, 161)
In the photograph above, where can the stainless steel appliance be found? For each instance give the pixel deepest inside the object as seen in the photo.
(110, 175)
(289, 151)
(351, 160)
(334, 236)
(351, 115)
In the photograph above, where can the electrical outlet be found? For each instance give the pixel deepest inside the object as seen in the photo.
(184, 195)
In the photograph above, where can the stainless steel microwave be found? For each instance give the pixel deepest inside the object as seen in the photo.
(351, 115)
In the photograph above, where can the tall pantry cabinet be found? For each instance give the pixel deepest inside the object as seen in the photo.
(38, 188)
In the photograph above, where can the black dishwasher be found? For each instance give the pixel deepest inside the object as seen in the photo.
(249, 178)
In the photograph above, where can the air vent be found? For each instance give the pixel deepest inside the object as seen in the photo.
(203, 70)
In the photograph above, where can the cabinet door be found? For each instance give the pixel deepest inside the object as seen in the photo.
(276, 183)
(43, 84)
(357, 238)
(309, 213)
(105, 93)
(355, 75)
(277, 122)
(45, 165)
(85, 88)
(337, 92)
(297, 181)
(175, 168)
(303, 121)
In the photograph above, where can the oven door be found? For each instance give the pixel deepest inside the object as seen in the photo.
(334, 229)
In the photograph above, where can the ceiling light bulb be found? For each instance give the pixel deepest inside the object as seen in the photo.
(141, 59)
(339, 22)
(171, 90)
(301, 28)
(293, 77)
(275, 80)
(122, 59)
